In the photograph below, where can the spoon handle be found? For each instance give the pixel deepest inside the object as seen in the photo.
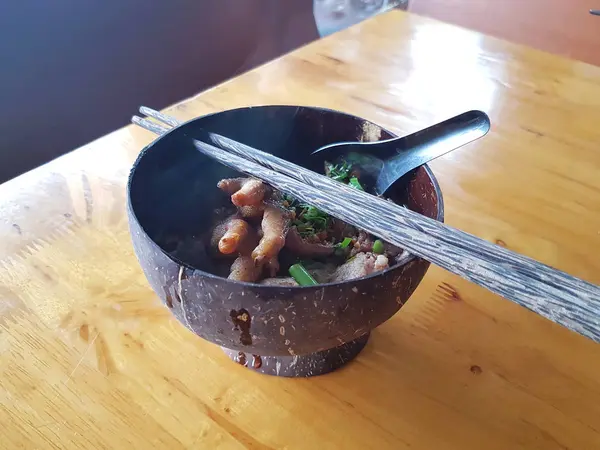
(414, 150)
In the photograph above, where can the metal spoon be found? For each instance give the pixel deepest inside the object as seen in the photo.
(382, 163)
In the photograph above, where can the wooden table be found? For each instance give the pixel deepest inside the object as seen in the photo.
(557, 26)
(89, 359)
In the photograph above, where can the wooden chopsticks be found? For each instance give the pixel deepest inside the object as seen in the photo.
(556, 295)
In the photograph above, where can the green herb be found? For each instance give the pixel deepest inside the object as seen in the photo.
(301, 275)
(378, 247)
(345, 243)
(355, 184)
(338, 172)
(341, 248)
(311, 220)
(305, 230)
(313, 214)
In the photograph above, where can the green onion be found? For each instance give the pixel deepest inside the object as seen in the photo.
(312, 213)
(310, 220)
(355, 184)
(345, 243)
(378, 247)
(301, 275)
(338, 172)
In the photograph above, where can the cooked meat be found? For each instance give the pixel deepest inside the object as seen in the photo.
(381, 263)
(233, 235)
(284, 282)
(231, 185)
(274, 226)
(392, 250)
(322, 272)
(266, 221)
(244, 191)
(244, 269)
(236, 230)
(217, 233)
(361, 265)
(252, 193)
(252, 212)
(340, 230)
(301, 247)
(317, 238)
(273, 266)
(362, 244)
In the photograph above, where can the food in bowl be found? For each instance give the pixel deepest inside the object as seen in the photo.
(267, 237)
(297, 331)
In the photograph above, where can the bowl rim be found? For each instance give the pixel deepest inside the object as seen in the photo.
(410, 258)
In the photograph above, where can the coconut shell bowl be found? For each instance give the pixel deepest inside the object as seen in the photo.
(276, 330)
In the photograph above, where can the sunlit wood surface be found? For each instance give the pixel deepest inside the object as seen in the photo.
(89, 358)
(563, 27)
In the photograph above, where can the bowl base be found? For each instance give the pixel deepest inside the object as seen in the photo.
(301, 365)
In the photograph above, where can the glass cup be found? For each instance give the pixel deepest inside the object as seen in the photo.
(335, 15)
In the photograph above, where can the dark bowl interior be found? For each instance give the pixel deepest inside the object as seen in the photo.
(172, 194)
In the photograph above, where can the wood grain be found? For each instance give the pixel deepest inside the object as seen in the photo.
(89, 359)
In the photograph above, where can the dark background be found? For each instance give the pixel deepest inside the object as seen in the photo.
(71, 71)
